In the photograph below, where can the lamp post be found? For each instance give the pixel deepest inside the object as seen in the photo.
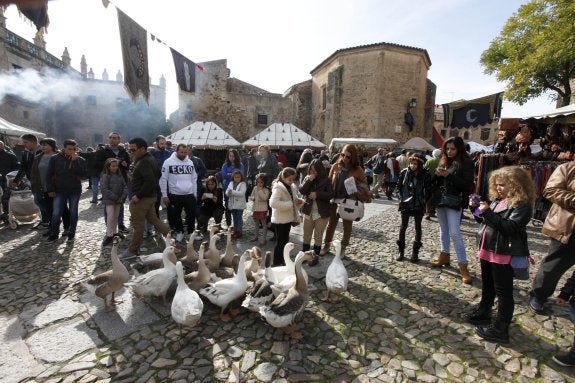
(411, 104)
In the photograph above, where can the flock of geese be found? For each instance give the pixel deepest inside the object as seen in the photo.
(279, 294)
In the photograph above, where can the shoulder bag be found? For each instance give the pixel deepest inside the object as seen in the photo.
(350, 209)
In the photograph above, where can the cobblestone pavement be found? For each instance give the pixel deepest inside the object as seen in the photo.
(398, 321)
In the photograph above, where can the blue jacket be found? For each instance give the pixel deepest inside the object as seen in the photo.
(227, 173)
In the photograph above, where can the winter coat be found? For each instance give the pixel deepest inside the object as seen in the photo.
(457, 183)
(145, 176)
(324, 193)
(65, 175)
(506, 230)
(413, 192)
(236, 196)
(360, 181)
(269, 166)
(26, 162)
(114, 188)
(260, 198)
(283, 204)
(107, 152)
(560, 190)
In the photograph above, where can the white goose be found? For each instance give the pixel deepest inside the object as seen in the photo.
(280, 272)
(289, 281)
(336, 277)
(156, 282)
(190, 260)
(200, 278)
(187, 305)
(154, 260)
(212, 254)
(224, 292)
(109, 281)
(288, 306)
(227, 259)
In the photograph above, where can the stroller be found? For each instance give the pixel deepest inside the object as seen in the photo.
(21, 206)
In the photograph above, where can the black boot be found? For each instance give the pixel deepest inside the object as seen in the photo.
(497, 332)
(401, 245)
(567, 359)
(479, 316)
(415, 252)
(305, 247)
(317, 250)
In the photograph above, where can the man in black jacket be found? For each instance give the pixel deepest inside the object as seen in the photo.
(143, 188)
(65, 172)
(114, 150)
(8, 163)
(31, 150)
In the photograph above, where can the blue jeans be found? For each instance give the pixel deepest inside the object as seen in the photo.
(44, 203)
(238, 219)
(449, 221)
(59, 204)
(95, 185)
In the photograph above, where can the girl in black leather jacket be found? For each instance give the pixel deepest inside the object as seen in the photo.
(502, 240)
(414, 186)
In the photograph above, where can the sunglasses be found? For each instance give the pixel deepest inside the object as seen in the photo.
(345, 155)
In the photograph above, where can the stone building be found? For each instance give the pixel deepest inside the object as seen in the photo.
(73, 104)
(362, 91)
(366, 91)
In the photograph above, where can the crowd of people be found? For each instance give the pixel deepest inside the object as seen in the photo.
(439, 185)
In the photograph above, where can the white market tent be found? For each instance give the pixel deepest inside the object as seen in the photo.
(203, 135)
(12, 132)
(386, 143)
(285, 136)
(477, 147)
(417, 143)
(559, 112)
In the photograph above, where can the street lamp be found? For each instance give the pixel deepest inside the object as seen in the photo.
(411, 104)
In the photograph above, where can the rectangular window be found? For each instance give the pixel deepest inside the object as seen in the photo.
(323, 97)
(485, 134)
(262, 119)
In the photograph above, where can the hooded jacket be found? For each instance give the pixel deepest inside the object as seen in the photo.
(179, 177)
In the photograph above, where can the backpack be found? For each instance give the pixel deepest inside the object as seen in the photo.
(379, 166)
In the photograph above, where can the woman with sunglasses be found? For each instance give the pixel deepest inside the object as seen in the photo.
(347, 165)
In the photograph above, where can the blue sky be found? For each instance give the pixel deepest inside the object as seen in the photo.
(274, 44)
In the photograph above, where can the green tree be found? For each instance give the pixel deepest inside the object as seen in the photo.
(138, 119)
(535, 51)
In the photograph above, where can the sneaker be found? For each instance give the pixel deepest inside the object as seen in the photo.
(107, 241)
(127, 254)
(65, 233)
(565, 360)
(179, 236)
(200, 237)
(123, 229)
(537, 306)
(119, 235)
(52, 238)
(93, 201)
(71, 237)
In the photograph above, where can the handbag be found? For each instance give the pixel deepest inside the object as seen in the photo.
(520, 267)
(449, 200)
(350, 209)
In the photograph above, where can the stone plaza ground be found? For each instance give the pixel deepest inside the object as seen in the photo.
(397, 322)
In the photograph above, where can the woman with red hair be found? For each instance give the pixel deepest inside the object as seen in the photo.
(347, 165)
